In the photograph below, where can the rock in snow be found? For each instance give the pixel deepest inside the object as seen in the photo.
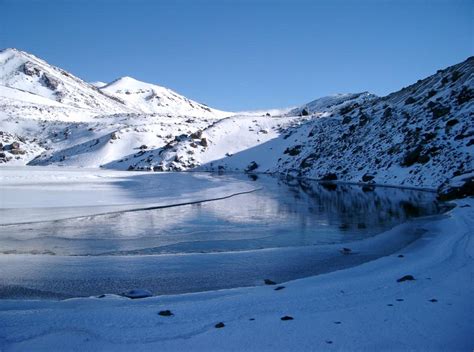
(137, 293)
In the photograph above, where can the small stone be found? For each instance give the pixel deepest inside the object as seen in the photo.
(390, 305)
(137, 293)
(433, 300)
(400, 299)
(346, 251)
(165, 313)
(329, 342)
(219, 325)
(286, 317)
(337, 322)
(406, 278)
(252, 319)
(401, 256)
(279, 288)
(269, 282)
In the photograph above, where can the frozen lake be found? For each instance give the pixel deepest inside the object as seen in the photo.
(281, 230)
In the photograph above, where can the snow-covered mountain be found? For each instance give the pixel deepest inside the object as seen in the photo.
(25, 72)
(149, 98)
(56, 89)
(422, 135)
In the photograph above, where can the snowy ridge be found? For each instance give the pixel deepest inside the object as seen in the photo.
(419, 136)
(326, 105)
(149, 98)
(26, 72)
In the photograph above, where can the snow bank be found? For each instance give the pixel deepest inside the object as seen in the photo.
(362, 308)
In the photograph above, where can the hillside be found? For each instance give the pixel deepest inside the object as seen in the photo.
(150, 98)
(422, 135)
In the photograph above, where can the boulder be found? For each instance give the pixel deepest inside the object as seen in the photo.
(251, 167)
(137, 293)
(367, 178)
(330, 176)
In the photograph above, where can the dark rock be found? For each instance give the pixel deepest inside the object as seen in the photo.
(137, 293)
(367, 178)
(410, 100)
(131, 168)
(219, 325)
(346, 250)
(143, 146)
(196, 135)
(406, 278)
(415, 156)
(433, 300)
(286, 317)
(279, 288)
(452, 122)
(113, 135)
(252, 166)
(465, 95)
(50, 82)
(30, 69)
(401, 256)
(464, 189)
(15, 145)
(165, 313)
(439, 110)
(293, 151)
(304, 112)
(387, 113)
(329, 177)
(204, 142)
(269, 282)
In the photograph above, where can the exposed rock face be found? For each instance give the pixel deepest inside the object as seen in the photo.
(418, 136)
(459, 187)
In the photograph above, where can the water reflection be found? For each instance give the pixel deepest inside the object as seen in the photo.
(285, 213)
(303, 223)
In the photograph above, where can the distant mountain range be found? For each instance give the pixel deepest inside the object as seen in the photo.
(422, 135)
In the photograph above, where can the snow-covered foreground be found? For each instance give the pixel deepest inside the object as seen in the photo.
(362, 308)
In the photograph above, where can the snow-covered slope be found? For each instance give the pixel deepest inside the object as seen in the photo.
(113, 139)
(422, 135)
(149, 98)
(26, 72)
(235, 142)
(331, 103)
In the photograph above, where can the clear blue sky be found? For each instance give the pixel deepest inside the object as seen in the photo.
(245, 54)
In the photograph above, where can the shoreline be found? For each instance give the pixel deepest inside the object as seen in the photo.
(374, 311)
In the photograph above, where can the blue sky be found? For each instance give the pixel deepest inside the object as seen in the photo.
(243, 54)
